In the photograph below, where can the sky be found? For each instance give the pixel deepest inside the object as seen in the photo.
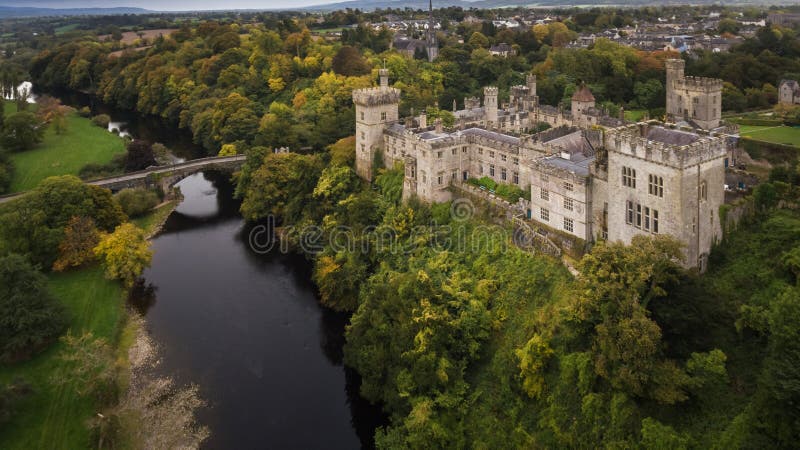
(167, 5)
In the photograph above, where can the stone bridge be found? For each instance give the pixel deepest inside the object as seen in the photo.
(162, 176)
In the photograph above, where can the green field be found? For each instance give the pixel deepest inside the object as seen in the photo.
(776, 135)
(64, 154)
(65, 28)
(55, 417)
(150, 221)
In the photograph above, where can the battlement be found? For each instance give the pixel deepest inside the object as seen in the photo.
(376, 96)
(662, 145)
(490, 91)
(699, 84)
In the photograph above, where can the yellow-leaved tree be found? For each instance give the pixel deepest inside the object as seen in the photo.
(125, 253)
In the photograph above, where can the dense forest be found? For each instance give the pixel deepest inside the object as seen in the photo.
(464, 339)
(468, 341)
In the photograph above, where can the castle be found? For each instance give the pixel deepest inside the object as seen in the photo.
(591, 176)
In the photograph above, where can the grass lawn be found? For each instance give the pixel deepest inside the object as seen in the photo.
(777, 135)
(64, 154)
(54, 417)
(634, 115)
(150, 221)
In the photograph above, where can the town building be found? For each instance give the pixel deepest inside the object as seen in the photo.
(789, 92)
(590, 176)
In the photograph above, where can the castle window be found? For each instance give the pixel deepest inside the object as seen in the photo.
(655, 185)
(568, 225)
(545, 194)
(362, 115)
(383, 116)
(503, 157)
(545, 215)
(480, 151)
(515, 161)
(703, 191)
(655, 221)
(568, 203)
(453, 151)
(363, 148)
(515, 177)
(363, 136)
(439, 154)
(629, 212)
(491, 154)
(503, 175)
(480, 169)
(491, 170)
(545, 178)
(440, 179)
(629, 177)
(424, 176)
(638, 216)
(646, 218)
(464, 149)
(568, 186)
(454, 175)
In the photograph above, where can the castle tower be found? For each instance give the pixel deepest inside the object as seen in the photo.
(582, 100)
(675, 77)
(530, 81)
(376, 108)
(694, 99)
(432, 46)
(490, 105)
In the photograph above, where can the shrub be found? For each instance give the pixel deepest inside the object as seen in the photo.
(136, 202)
(85, 112)
(101, 120)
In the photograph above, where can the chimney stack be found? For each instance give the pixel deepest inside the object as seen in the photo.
(423, 120)
(384, 74)
(438, 125)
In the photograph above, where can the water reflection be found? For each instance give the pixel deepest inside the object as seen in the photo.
(248, 329)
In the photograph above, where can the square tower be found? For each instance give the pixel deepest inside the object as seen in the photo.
(376, 107)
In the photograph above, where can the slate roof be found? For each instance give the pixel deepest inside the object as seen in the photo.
(671, 137)
(583, 94)
(493, 135)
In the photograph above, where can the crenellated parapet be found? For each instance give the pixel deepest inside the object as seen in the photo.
(376, 96)
(685, 150)
(700, 84)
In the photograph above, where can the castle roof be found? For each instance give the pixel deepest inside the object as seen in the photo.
(671, 137)
(583, 94)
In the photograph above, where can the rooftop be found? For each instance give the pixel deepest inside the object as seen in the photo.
(670, 137)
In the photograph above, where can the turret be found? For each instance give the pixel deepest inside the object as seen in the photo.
(530, 81)
(490, 105)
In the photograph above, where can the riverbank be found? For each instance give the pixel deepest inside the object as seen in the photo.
(55, 415)
(63, 154)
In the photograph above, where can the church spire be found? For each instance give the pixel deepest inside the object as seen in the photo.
(432, 47)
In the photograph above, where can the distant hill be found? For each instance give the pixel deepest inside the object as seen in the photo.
(488, 4)
(27, 11)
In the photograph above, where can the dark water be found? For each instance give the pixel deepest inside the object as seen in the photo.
(249, 331)
(146, 127)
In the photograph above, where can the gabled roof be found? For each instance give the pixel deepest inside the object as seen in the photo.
(583, 94)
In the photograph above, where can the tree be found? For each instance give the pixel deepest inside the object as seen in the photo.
(22, 131)
(30, 318)
(533, 358)
(617, 285)
(349, 62)
(89, 366)
(282, 186)
(140, 156)
(657, 436)
(343, 152)
(136, 202)
(125, 253)
(227, 150)
(76, 248)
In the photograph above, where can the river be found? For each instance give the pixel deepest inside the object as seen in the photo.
(249, 331)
